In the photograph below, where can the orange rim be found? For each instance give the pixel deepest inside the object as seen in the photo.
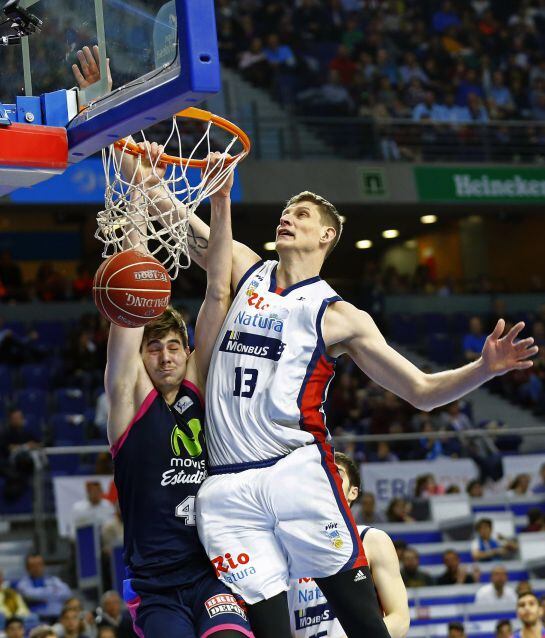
(204, 116)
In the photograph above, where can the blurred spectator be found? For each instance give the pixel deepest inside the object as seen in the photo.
(343, 65)
(11, 603)
(42, 631)
(399, 511)
(519, 485)
(14, 628)
(50, 284)
(400, 546)
(456, 630)
(93, 509)
(445, 17)
(475, 489)
(504, 629)
(383, 454)
(410, 572)
(253, 63)
(111, 614)
(455, 573)
(330, 98)
(44, 594)
(426, 486)
(497, 591)
(71, 625)
(86, 625)
(540, 487)
(107, 632)
(367, 513)
(11, 279)
(101, 413)
(16, 444)
(82, 285)
(486, 548)
(473, 342)
(530, 615)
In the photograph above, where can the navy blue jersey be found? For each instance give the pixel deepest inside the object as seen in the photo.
(159, 464)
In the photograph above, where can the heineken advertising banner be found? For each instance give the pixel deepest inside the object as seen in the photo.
(487, 184)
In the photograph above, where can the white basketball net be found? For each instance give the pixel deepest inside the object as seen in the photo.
(149, 214)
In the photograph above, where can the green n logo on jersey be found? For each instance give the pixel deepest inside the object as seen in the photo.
(190, 440)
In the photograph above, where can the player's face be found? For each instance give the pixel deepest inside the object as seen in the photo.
(350, 492)
(300, 228)
(165, 360)
(15, 630)
(528, 610)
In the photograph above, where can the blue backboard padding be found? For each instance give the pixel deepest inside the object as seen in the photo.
(191, 79)
(55, 108)
(84, 183)
(42, 246)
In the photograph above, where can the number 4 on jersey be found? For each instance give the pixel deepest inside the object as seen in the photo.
(186, 510)
(245, 382)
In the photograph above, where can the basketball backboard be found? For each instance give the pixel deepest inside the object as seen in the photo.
(163, 58)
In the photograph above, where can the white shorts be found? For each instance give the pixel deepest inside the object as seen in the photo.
(261, 527)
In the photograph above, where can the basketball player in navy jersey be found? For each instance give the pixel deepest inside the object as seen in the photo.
(155, 387)
(310, 614)
(273, 507)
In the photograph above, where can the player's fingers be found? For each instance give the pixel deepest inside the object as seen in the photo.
(524, 343)
(500, 327)
(90, 59)
(530, 352)
(77, 74)
(515, 331)
(524, 365)
(83, 62)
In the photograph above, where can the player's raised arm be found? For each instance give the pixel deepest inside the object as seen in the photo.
(219, 266)
(352, 331)
(391, 590)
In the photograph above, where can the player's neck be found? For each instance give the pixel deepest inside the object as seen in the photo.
(169, 393)
(535, 631)
(292, 269)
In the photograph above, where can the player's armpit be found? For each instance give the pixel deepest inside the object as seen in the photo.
(390, 588)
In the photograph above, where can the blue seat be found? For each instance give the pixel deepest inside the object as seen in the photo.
(433, 322)
(6, 382)
(403, 329)
(22, 505)
(35, 376)
(459, 323)
(70, 401)
(18, 328)
(69, 428)
(51, 333)
(32, 401)
(440, 349)
(33, 425)
(64, 464)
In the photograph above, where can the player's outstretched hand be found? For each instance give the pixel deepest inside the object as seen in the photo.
(502, 354)
(89, 73)
(149, 171)
(216, 161)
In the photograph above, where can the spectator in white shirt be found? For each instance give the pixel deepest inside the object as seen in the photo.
(497, 592)
(94, 509)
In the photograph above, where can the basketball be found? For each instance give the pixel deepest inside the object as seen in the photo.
(131, 289)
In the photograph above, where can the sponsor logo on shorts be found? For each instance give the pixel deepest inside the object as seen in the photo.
(223, 604)
(150, 275)
(253, 345)
(231, 569)
(331, 531)
(310, 616)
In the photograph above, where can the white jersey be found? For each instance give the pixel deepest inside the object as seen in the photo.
(269, 372)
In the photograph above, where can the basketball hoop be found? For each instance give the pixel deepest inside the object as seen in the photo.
(148, 214)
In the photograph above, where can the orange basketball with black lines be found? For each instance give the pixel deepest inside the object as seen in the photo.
(131, 289)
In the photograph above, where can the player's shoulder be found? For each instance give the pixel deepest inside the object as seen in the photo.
(378, 545)
(343, 320)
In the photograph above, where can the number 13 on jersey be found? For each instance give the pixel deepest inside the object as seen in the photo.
(245, 382)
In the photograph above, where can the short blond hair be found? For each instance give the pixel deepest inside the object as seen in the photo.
(328, 213)
(170, 321)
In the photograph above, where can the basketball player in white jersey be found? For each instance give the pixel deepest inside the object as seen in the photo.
(310, 614)
(273, 507)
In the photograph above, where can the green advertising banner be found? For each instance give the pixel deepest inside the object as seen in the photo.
(486, 184)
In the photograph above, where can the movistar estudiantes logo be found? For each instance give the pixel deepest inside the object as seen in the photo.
(189, 440)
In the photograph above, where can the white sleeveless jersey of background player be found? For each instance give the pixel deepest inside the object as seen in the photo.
(269, 372)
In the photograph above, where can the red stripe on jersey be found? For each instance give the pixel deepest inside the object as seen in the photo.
(313, 421)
